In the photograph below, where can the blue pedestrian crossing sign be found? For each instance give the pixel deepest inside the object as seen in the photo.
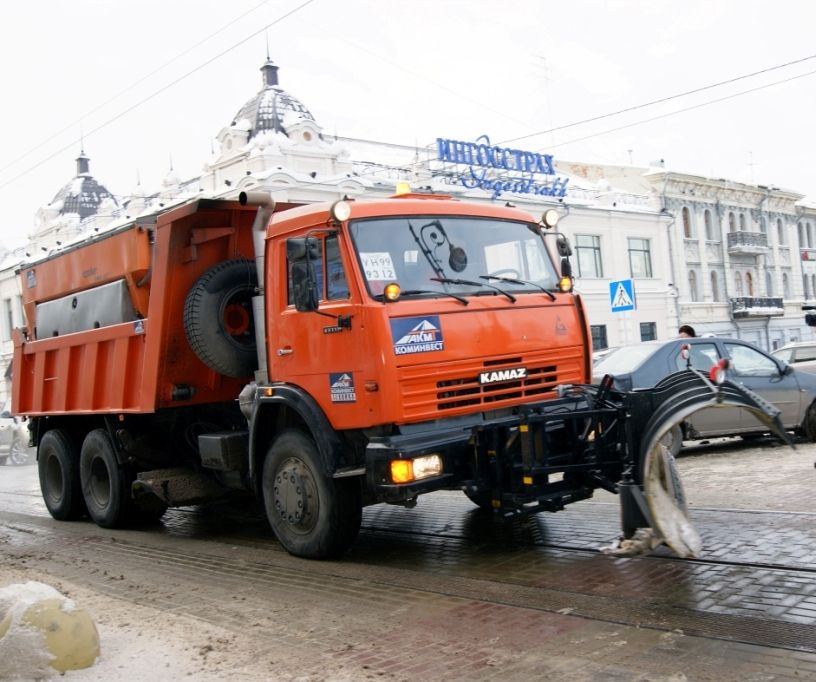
(622, 295)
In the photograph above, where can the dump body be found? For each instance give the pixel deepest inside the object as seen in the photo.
(142, 362)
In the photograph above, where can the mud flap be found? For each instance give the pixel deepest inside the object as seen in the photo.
(675, 399)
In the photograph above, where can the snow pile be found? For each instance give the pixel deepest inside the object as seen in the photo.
(42, 631)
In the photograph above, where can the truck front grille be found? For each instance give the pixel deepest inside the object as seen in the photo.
(428, 391)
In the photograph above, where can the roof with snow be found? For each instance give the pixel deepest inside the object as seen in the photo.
(84, 193)
(272, 108)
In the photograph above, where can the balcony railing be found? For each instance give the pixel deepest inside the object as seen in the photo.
(761, 306)
(751, 243)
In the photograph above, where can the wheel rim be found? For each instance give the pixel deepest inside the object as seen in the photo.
(295, 496)
(54, 483)
(99, 483)
(236, 318)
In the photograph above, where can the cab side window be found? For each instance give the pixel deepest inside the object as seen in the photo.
(336, 284)
(748, 362)
(326, 258)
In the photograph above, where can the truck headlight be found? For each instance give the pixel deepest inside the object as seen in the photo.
(408, 470)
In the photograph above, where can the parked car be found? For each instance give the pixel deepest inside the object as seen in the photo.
(13, 439)
(793, 392)
(801, 355)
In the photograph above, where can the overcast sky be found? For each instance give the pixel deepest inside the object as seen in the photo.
(405, 72)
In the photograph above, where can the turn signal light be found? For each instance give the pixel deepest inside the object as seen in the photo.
(408, 470)
(391, 292)
(565, 285)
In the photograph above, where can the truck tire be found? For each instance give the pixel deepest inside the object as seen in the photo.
(106, 484)
(58, 468)
(482, 499)
(218, 318)
(313, 516)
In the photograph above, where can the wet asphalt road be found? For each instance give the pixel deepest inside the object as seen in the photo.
(443, 592)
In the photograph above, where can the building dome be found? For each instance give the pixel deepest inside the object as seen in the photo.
(83, 194)
(272, 108)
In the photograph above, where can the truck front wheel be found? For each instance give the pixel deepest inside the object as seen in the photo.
(313, 516)
(58, 466)
(105, 482)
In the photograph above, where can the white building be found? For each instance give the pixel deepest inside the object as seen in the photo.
(740, 254)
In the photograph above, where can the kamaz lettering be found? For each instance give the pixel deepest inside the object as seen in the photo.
(503, 375)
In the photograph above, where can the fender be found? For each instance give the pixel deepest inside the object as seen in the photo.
(299, 401)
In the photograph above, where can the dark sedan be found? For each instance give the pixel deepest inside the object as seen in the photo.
(793, 393)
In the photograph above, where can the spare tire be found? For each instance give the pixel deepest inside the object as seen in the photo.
(218, 318)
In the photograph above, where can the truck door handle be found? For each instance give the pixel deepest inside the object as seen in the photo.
(286, 350)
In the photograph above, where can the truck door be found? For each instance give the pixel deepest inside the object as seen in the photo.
(321, 351)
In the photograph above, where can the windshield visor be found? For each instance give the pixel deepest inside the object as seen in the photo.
(419, 251)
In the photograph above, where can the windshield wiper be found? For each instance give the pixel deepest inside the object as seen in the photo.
(471, 283)
(513, 280)
(409, 292)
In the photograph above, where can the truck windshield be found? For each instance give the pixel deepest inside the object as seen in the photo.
(444, 254)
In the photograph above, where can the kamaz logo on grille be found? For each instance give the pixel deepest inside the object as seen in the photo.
(503, 375)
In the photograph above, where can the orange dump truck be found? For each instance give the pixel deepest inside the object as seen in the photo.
(323, 358)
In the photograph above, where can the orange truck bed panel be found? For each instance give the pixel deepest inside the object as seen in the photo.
(145, 363)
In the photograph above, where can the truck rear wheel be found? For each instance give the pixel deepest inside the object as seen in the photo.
(58, 468)
(218, 318)
(313, 516)
(106, 484)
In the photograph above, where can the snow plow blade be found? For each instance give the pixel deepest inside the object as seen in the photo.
(654, 495)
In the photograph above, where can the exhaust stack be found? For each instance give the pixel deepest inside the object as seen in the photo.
(266, 207)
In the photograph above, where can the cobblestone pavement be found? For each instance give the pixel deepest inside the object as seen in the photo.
(441, 592)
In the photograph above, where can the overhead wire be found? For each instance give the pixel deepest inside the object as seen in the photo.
(157, 92)
(683, 110)
(662, 99)
(121, 92)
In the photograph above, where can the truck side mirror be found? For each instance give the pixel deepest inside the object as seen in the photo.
(563, 246)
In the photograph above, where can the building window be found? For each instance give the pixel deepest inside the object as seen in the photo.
(640, 257)
(768, 284)
(715, 287)
(599, 341)
(785, 285)
(809, 233)
(801, 230)
(688, 232)
(732, 222)
(749, 283)
(709, 227)
(648, 331)
(588, 252)
(806, 286)
(742, 222)
(763, 226)
(692, 280)
(8, 315)
(780, 231)
(738, 288)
